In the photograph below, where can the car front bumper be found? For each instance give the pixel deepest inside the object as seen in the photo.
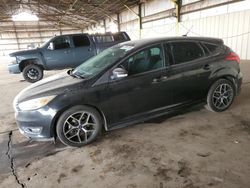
(36, 124)
(14, 69)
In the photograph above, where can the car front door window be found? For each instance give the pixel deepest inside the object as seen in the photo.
(144, 61)
(146, 87)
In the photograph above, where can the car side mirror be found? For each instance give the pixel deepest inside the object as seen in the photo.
(119, 73)
(51, 46)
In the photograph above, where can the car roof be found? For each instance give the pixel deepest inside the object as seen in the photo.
(98, 34)
(145, 42)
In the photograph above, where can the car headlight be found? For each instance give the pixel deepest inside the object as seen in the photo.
(34, 104)
(12, 60)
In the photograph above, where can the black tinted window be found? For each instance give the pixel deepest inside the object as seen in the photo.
(81, 41)
(169, 57)
(61, 42)
(145, 60)
(211, 47)
(206, 51)
(104, 38)
(118, 37)
(186, 51)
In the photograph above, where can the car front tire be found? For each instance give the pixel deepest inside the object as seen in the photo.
(32, 73)
(78, 126)
(220, 95)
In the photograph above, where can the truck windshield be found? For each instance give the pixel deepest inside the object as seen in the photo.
(98, 63)
(45, 43)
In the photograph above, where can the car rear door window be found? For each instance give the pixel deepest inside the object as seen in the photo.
(145, 60)
(186, 51)
(80, 41)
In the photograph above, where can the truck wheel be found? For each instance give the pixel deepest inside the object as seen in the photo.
(32, 73)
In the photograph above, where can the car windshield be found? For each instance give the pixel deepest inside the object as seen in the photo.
(98, 63)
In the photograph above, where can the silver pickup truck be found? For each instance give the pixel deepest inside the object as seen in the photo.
(60, 52)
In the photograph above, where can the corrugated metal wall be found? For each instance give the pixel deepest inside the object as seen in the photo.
(230, 22)
(18, 35)
(129, 22)
(233, 28)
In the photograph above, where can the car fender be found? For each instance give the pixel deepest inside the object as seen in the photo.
(228, 73)
(24, 60)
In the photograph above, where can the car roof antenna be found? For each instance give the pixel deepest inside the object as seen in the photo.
(185, 35)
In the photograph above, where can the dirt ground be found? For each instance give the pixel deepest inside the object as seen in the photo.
(194, 149)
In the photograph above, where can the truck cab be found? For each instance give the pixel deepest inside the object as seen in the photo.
(60, 52)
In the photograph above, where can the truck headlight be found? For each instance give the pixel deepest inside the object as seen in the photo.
(34, 104)
(12, 60)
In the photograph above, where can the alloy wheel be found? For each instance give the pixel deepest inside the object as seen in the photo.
(80, 127)
(222, 96)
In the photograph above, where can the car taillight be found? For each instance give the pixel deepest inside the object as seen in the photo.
(232, 56)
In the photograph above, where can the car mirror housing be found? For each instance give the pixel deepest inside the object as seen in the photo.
(119, 73)
(51, 46)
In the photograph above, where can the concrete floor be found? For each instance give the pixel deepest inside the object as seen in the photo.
(194, 149)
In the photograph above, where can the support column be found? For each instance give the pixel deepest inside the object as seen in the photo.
(140, 19)
(178, 4)
(118, 22)
(60, 29)
(178, 10)
(17, 40)
(39, 30)
(139, 15)
(104, 25)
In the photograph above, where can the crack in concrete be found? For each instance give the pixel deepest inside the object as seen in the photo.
(12, 130)
(11, 158)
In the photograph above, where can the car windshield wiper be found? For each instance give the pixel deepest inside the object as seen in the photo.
(69, 72)
(78, 75)
(75, 74)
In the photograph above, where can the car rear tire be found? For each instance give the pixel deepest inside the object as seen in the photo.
(78, 126)
(32, 73)
(220, 95)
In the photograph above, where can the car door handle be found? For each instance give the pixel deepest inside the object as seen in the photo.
(159, 79)
(163, 78)
(206, 67)
(155, 80)
(66, 51)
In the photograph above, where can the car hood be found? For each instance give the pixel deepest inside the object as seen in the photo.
(54, 85)
(24, 52)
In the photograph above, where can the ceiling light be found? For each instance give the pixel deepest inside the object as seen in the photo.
(24, 16)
